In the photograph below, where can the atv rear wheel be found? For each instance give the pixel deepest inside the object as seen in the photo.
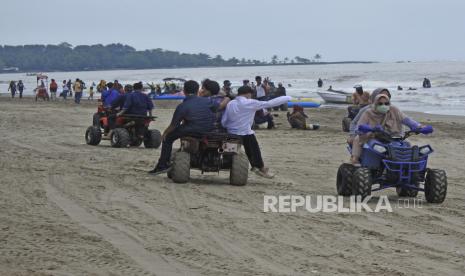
(346, 124)
(344, 179)
(405, 192)
(120, 138)
(239, 170)
(152, 139)
(180, 168)
(361, 182)
(93, 135)
(435, 185)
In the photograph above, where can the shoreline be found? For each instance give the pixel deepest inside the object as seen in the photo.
(171, 104)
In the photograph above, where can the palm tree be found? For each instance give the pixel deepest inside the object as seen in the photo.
(317, 57)
(274, 59)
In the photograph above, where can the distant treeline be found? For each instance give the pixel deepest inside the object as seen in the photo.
(65, 57)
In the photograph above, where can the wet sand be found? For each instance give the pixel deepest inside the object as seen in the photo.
(72, 209)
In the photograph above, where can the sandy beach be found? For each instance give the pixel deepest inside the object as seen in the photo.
(72, 209)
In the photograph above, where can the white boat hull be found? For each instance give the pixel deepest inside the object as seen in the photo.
(331, 97)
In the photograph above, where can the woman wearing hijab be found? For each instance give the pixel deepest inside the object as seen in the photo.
(382, 113)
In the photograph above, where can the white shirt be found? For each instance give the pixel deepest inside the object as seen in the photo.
(240, 112)
(260, 91)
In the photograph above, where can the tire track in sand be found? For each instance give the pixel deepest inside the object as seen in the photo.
(238, 252)
(148, 261)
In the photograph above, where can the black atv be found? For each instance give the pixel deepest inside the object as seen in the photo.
(211, 152)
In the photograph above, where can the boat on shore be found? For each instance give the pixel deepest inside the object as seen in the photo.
(334, 97)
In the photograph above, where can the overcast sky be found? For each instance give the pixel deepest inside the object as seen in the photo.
(383, 30)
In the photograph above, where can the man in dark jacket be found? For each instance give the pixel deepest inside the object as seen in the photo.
(194, 115)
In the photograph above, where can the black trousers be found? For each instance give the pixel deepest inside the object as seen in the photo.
(252, 149)
(167, 146)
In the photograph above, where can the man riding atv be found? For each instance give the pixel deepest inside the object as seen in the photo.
(194, 115)
(128, 127)
(360, 99)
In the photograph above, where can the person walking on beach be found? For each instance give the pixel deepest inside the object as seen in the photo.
(69, 84)
(20, 87)
(12, 88)
(65, 91)
(77, 91)
(91, 93)
(320, 82)
(53, 90)
(238, 119)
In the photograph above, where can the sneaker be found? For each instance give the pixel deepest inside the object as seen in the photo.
(159, 170)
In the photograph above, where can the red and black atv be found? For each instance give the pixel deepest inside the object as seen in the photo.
(130, 130)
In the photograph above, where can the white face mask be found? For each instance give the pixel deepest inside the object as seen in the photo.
(382, 108)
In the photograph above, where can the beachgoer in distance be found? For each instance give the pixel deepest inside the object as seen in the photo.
(53, 90)
(238, 119)
(77, 87)
(330, 88)
(320, 82)
(21, 88)
(65, 91)
(426, 83)
(69, 84)
(91, 93)
(383, 114)
(399, 88)
(260, 89)
(12, 88)
(298, 119)
(194, 115)
(226, 90)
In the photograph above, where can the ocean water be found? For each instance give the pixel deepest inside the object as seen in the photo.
(447, 95)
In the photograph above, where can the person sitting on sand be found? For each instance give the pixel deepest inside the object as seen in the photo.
(238, 119)
(193, 115)
(383, 114)
(263, 116)
(298, 119)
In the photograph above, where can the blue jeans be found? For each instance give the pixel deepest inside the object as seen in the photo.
(77, 97)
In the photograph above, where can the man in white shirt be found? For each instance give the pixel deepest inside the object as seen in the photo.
(238, 119)
(260, 88)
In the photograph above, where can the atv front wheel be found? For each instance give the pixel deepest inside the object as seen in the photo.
(344, 179)
(180, 168)
(152, 139)
(346, 124)
(239, 170)
(361, 182)
(93, 135)
(120, 138)
(435, 185)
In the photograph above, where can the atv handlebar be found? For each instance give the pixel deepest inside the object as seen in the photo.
(379, 129)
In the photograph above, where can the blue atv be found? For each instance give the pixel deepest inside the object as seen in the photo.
(391, 161)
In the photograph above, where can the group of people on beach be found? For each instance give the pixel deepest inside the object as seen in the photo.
(207, 107)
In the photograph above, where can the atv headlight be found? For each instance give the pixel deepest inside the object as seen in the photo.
(425, 150)
(379, 148)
